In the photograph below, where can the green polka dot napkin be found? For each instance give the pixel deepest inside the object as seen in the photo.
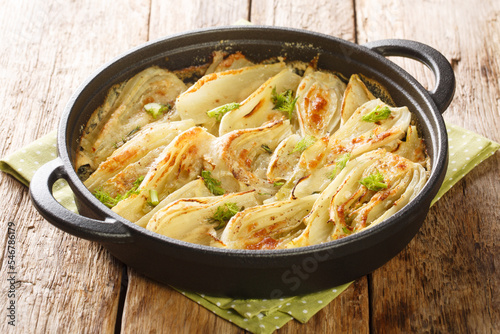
(467, 150)
(267, 315)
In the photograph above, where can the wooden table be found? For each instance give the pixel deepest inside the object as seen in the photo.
(444, 281)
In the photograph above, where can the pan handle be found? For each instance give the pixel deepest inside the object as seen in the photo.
(108, 230)
(443, 92)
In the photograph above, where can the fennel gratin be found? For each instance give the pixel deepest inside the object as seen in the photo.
(252, 156)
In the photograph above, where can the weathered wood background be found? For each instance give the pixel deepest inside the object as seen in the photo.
(444, 281)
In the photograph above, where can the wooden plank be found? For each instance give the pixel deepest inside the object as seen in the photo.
(157, 307)
(348, 313)
(64, 284)
(149, 304)
(154, 306)
(168, 18)
(445, 280)
(334, 18)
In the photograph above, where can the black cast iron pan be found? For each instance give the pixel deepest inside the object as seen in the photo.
(243, 273)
